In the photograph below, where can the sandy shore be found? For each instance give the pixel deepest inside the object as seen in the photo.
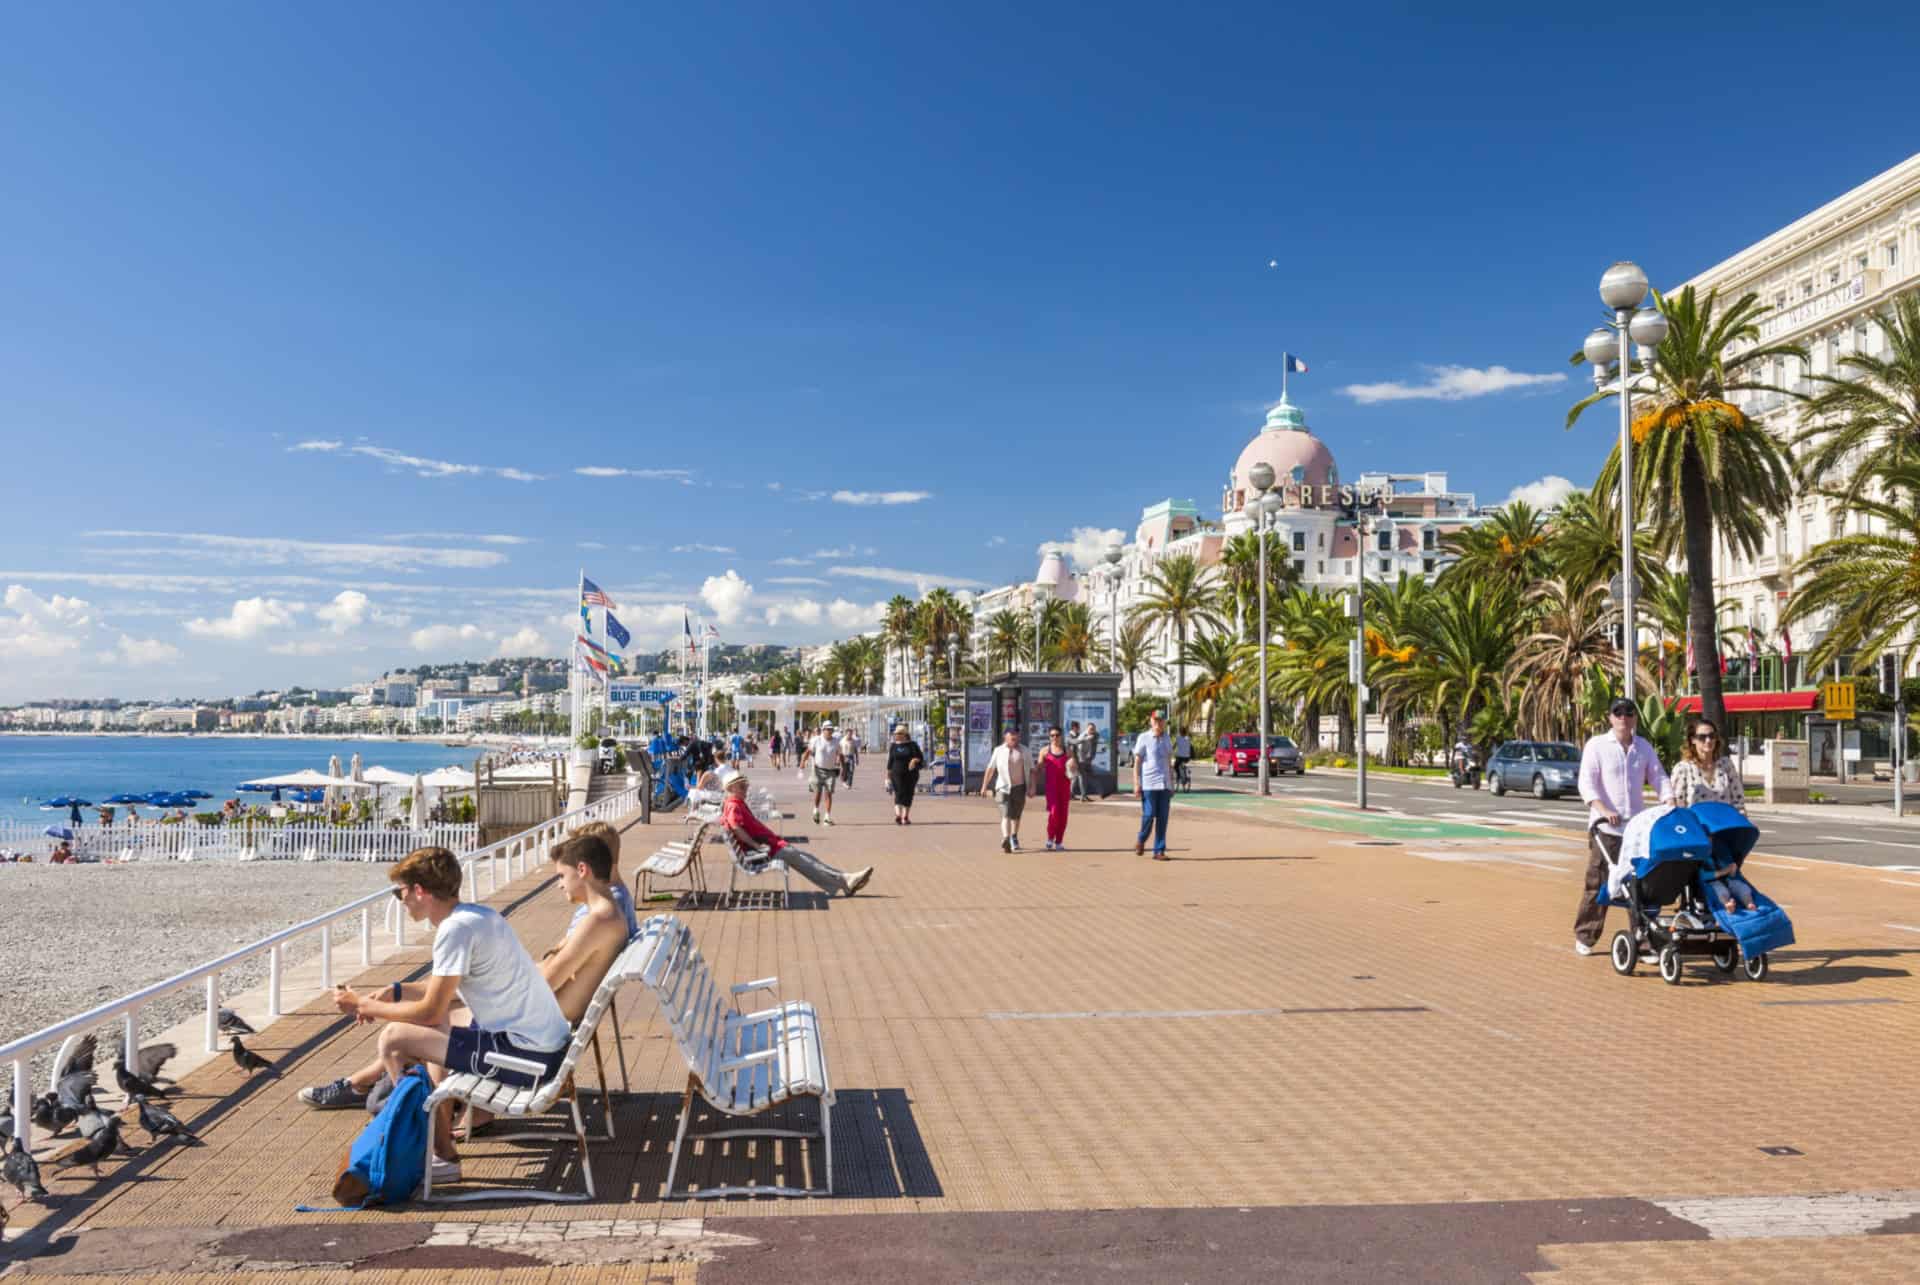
(77, 936)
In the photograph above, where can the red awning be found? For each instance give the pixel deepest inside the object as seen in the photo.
(1758, 702)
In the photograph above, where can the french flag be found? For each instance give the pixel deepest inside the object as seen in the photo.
(1292, 364)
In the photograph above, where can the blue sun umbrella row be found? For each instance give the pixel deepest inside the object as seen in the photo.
(175, 798)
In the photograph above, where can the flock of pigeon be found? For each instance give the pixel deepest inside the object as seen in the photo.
(71, 1105)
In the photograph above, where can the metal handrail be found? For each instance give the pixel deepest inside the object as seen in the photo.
(514, 850)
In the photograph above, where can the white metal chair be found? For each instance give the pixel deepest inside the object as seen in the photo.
(681, 857)
(741, 1064)
(754, 863)
(509, 1101)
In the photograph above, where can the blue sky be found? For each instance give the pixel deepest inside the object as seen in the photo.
(299, 301)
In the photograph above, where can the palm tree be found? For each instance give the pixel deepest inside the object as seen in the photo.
(1215, 656)
(1571, 637)
(1053, 613)
(1875, 410)
(1240, 576)
(1396, 619)
(1512, 548)
(897, 625)
(1135, 655)
(1670, 602)
(1702, 467)
(1583, 542)
(1076, 647)
(1180, 596)
(1006, 639)
(1869, 579)
(942, 615)
(1310, 665)
(1469, 640)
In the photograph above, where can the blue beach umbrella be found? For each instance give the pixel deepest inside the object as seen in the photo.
(195, 794)
(66, 801)
(253, 787)
(59, 832)
(128, 798)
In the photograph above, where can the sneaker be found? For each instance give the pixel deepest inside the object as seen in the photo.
(827, 819)
(335, 1095)
(858, 880)
(816, 816)
(444, 1171)
(1006, 844)
(1581, 948)
(1015, 841)
(1049, 845)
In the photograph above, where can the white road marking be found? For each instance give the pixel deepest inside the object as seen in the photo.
(1901, 883)
(1905, 928)
(1750, 1217)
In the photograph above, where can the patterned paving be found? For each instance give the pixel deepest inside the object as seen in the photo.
(1278, 1018)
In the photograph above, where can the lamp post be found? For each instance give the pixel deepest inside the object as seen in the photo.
(953, 655)
(1114, 553)
(1261, 476)
(1623, 288)
(1039, 609)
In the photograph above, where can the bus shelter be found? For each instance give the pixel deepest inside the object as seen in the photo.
(1030, 704)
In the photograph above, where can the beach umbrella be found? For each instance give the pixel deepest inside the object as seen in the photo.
(306, 779)
(450, 778)
(59, 832)
(128, 798)
(333, 770)
(419, 817)
(248, 787)
(354, 770)
(66, 801)
(195, 794)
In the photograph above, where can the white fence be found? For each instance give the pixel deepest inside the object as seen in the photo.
(191, 841)
(515, 856)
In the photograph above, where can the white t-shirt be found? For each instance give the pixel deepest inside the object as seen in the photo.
(1010, 768)
(498, 979)
(825, 751)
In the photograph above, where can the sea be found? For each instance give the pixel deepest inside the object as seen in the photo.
(36, 768)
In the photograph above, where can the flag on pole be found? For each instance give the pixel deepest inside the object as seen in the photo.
(1753, 644)
(592, 595)
(1786, 642)
(1292, 364)
(590, 653)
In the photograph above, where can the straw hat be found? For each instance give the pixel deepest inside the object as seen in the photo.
(729, 775)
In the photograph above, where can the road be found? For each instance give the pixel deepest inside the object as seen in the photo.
(1861, 838)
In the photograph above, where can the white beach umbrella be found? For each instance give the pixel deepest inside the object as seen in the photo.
(377, 775)
(333, 770)
(419, 818)
(450, 778)
(354, 770)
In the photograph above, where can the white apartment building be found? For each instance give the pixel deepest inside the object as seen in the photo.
(1826, 277)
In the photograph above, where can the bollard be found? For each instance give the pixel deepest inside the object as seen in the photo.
(273, 982)
(366, 936)
(213, 1013)
(130, 1033)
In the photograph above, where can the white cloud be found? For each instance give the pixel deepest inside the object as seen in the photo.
(702, 548)
(1452, 384)
(793, 562)
(803, 611)
(249, 618)
(461, 535)
(996, 541)
(1545, 493)
(591, 544)
(683, 476)
(773, 486)
(920, 580)
(444, 637)
(140, 652)
(42, 627)
(881, 497)
(279, 550)
(421, 465)
(854, 615)
(1087, 545)
(525, 642)
(851, 551)
(726, 596)
(350, 609)
(310, 647)
(791, 580)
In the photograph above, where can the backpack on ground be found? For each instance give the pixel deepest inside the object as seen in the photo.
(388, 1161)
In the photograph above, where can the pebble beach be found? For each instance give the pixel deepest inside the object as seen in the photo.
(76, 936)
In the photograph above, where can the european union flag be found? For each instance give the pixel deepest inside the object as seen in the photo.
(617, 632)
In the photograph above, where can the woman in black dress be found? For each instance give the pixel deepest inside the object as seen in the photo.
(903, 774)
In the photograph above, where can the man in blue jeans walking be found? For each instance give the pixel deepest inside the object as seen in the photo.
(1153, 782)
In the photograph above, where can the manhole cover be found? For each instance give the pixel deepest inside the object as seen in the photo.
(1782, 1151)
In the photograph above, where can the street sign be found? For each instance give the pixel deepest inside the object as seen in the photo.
(1616, 589)
(1837, 700)
(631, 694)
(1353, 660)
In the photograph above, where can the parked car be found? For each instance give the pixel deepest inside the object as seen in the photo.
(1547, 768)
(1240, 752)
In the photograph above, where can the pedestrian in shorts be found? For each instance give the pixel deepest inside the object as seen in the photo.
(823, 752)
(1009, 774)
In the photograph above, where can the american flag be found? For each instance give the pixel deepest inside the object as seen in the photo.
(592, 595)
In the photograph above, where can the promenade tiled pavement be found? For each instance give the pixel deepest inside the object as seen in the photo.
(1289, 1053)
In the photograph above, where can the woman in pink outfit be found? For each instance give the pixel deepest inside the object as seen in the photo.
(1056, 761)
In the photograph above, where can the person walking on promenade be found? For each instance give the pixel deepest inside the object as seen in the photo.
(748, 832)
(1182, 756)
(849, 756)
(1009, 773)
(1615, 767)
(1058, 771)
(903, 773)
(774, 747)
(1153, 784)
(1085, 745)
(824, 753)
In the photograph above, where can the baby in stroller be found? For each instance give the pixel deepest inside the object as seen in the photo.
(1724, 885)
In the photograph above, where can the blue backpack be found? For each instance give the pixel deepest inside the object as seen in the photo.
(388, 1161)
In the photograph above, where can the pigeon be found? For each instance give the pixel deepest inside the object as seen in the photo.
(138, 1081)
(231, 1023)
(21, 1171)
(6, 1123)
(45, 1114)
(247, 1060)
(151, 1058)
(74, 1092)
(91, 1120)
(84, 1053)
(162, 1123)
(95, 1149)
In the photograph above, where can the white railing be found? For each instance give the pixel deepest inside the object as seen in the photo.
(191, 841)
(518, 854)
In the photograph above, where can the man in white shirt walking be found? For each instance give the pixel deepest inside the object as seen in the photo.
(824, 752)
(1153, 784)
(1615, 768)
(1009, 773)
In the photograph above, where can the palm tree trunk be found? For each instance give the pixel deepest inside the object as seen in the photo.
(1310, 725)
(1696, 511)
(1180, 678)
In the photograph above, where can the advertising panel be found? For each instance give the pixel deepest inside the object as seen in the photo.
(1095, 708)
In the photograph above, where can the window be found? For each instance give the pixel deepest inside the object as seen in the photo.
(1321, 541)
(1806, 288)
(1386, 566)
(1426, 565)
(1323, 566)
(1300, 541)
(1779, 301)
(1893, 254)
(1383, 541)
(1430, 539)
(1859, 263)
(1806, 534)
(1833, 276)
(1299, 566)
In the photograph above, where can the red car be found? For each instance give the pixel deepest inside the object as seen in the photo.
(1240, 752)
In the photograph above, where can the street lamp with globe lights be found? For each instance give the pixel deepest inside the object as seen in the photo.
(1113, 555)
(1264, 504)
(1623, 289)
(953, 655)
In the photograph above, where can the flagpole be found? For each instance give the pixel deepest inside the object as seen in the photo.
(573, 676)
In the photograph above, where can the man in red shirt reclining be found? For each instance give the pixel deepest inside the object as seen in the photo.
(748, 832)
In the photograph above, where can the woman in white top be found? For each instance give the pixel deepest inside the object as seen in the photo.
(1009, 773)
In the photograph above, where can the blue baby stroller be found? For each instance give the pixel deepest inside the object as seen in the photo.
(1683, 849)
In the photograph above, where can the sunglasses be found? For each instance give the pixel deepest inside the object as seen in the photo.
(399, 894)
(1706, 736)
